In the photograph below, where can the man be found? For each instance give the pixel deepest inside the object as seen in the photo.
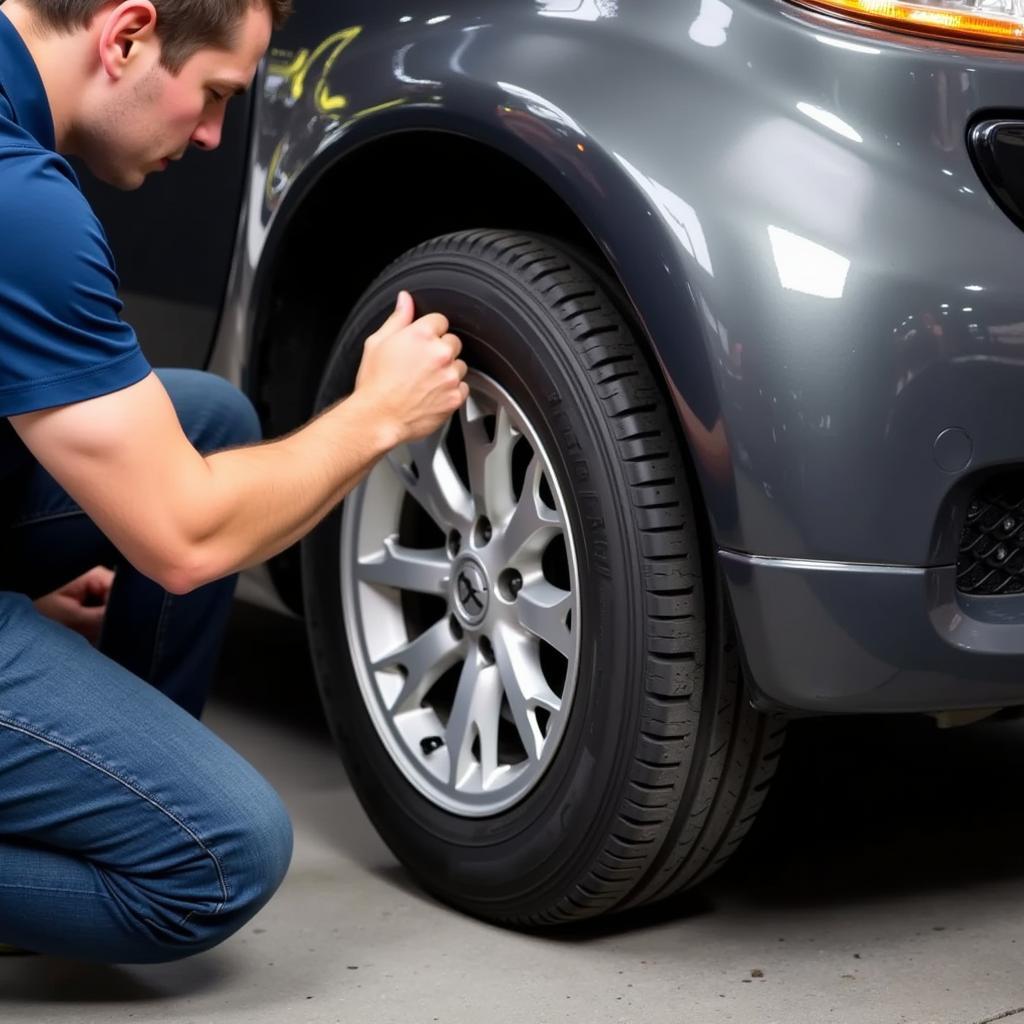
(128, 832)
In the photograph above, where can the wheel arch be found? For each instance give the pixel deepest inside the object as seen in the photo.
(324, 247)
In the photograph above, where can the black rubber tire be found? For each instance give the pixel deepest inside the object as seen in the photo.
(663, 764)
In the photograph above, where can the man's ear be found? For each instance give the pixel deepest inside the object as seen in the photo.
(123, 26)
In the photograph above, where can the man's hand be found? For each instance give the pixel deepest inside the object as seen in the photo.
(82, 604)
(410, 373)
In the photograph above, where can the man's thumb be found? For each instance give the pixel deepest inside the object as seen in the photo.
(403, 315)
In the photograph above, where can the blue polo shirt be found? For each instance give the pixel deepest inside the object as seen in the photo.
(62, 339)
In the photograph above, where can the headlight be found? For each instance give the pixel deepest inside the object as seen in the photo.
(995, 22)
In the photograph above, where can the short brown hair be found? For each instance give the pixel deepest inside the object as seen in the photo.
(183, 26)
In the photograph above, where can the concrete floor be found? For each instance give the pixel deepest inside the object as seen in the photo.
(883, 884)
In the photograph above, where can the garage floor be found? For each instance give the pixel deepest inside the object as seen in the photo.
(884, 884)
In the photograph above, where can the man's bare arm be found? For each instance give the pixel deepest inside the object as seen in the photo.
(183, 519)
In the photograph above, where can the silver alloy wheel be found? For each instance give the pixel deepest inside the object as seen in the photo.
(471, 704)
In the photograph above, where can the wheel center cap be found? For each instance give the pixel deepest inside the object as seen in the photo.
(470, 591)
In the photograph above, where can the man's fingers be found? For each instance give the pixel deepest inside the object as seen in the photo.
(460, 368)
(402, 315)
(90, 620)
(94, 584)
(100, 579)
(454, 342)
(433, 325)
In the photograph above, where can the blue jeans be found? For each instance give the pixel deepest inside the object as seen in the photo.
(129, 833)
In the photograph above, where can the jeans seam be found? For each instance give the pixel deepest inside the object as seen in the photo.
(63, 892)
(47, 517)
(160, 633)
(78, 755)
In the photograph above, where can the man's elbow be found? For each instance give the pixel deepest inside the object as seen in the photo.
(182, 572)
(178, 556)
(178, 581)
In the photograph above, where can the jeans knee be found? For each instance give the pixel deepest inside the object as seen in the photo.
(253, 867)
(268, 854)
(212, 411)
(241, 425)
(256, 859)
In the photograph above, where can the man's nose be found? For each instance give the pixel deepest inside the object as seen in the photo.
(208, 131)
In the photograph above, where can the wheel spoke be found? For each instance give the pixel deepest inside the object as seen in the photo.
(424, 661)
(435, 484)
(489, 462)
(531, 525)
(543, 609)
(424, 572)
(525, 687)
(474, 713)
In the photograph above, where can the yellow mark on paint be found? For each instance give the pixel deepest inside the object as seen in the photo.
(289, 70)
(297, 70)
(379, 107)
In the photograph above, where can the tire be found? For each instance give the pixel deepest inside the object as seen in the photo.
(657, 764)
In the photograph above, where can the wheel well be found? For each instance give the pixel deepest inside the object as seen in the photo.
(364, 213)
(380, 201)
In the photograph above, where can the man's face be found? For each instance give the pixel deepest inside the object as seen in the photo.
(152, 116)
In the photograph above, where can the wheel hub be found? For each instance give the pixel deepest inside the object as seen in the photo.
(470, 591)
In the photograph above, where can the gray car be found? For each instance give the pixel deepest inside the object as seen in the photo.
(739, 283)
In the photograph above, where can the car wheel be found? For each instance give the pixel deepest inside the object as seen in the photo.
(529, 672)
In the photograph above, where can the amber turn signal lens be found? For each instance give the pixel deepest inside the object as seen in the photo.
(998, 23)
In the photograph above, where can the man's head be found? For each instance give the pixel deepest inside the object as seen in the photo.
(132, 83)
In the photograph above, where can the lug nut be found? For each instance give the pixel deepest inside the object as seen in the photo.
(510, 582)
(483, 531)
(455, 627)
(454, 543)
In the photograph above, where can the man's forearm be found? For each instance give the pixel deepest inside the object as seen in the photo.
(263, 498)
(184, 519)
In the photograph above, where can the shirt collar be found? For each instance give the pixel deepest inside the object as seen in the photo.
(19, 79)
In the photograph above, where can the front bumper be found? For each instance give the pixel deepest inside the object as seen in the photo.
(866, 310)
(827, 637)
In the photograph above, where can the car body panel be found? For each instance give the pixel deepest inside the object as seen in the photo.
(837, 637)
(710, 211)
(787, 200)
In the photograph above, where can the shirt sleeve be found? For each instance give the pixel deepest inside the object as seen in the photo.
(62, 339)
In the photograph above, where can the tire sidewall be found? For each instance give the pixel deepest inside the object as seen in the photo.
(500, 860)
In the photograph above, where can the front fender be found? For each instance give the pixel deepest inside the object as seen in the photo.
(764, 183)
(326, 93)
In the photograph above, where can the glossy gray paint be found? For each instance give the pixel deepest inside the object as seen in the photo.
(789, 203)
(832, 637)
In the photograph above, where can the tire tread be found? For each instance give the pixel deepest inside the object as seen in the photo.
(698, 775)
